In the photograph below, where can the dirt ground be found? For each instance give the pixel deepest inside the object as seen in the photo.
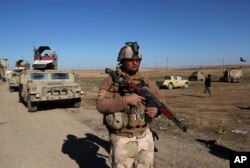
(218, 124)
(59, 136)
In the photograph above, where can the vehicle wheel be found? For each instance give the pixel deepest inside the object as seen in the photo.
(77, 103)
(186, 85)
(32, 106)
(161, 87)
(159, 84)
(11, 89)
(170, 86)
(20, 99)
(19, 94)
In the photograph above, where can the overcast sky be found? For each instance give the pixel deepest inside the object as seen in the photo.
(87, 34)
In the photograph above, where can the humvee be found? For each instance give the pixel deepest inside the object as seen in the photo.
(3, 69)
(44, 83)
(14, 79)
(14, 75)
(50, 85)
(171, 82)
(232, 75)
(197, 76)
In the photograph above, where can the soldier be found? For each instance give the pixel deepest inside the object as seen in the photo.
(125, 113)
(208, 85)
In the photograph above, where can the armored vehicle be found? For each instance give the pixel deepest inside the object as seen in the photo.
(50, 85)
(3, 69)
(44, 83)
(197, 76)
(232, 75)
(14, 75)
(171, 82)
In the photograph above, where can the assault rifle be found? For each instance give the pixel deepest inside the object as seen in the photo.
(150, 98)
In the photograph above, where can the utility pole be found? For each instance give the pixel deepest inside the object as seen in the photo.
(167, 64)
(155, 66)
(223, 64)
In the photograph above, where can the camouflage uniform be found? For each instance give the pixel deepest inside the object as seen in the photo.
(132, 144)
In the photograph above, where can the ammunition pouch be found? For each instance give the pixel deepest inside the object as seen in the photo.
(121, 120)
(114, 120)
(136, 120)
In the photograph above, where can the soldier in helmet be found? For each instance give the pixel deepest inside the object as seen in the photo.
(125, 112)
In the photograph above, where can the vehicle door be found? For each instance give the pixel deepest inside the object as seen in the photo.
(178, 81)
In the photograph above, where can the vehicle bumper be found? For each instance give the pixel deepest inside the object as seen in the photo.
(40, 98)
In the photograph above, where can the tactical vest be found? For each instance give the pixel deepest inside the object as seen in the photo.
(132, 119)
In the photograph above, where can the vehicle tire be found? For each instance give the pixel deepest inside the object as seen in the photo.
(20, 99)
(186, 85)
(11, 89)
(170, 86)
(32, 106)
(76, 103)
(159, 84)
(19, 94)
(161, 87)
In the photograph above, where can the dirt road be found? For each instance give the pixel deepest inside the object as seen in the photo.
(37, 140)
(59, 137)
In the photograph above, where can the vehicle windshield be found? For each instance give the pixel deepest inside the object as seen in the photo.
(17, 70)
(38, 76)
(13, 74)
(60, 76)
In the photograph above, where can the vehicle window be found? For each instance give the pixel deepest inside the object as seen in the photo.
(60, 76)
(167, 77)
(38, 76)
(178, 78)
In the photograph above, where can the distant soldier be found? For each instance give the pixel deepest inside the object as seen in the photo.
(125, 113)
(208, 85)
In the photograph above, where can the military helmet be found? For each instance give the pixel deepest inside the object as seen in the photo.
(129, 51)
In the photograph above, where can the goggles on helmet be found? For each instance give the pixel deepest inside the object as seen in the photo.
(130, 51)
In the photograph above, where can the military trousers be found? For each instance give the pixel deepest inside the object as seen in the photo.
(134, 152)
(207, 90)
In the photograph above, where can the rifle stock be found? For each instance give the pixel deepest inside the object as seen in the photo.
(150, 98)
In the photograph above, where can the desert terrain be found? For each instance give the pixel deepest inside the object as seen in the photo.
(59, 136)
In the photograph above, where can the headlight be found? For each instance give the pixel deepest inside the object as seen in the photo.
(82, 92)
(37, 95)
